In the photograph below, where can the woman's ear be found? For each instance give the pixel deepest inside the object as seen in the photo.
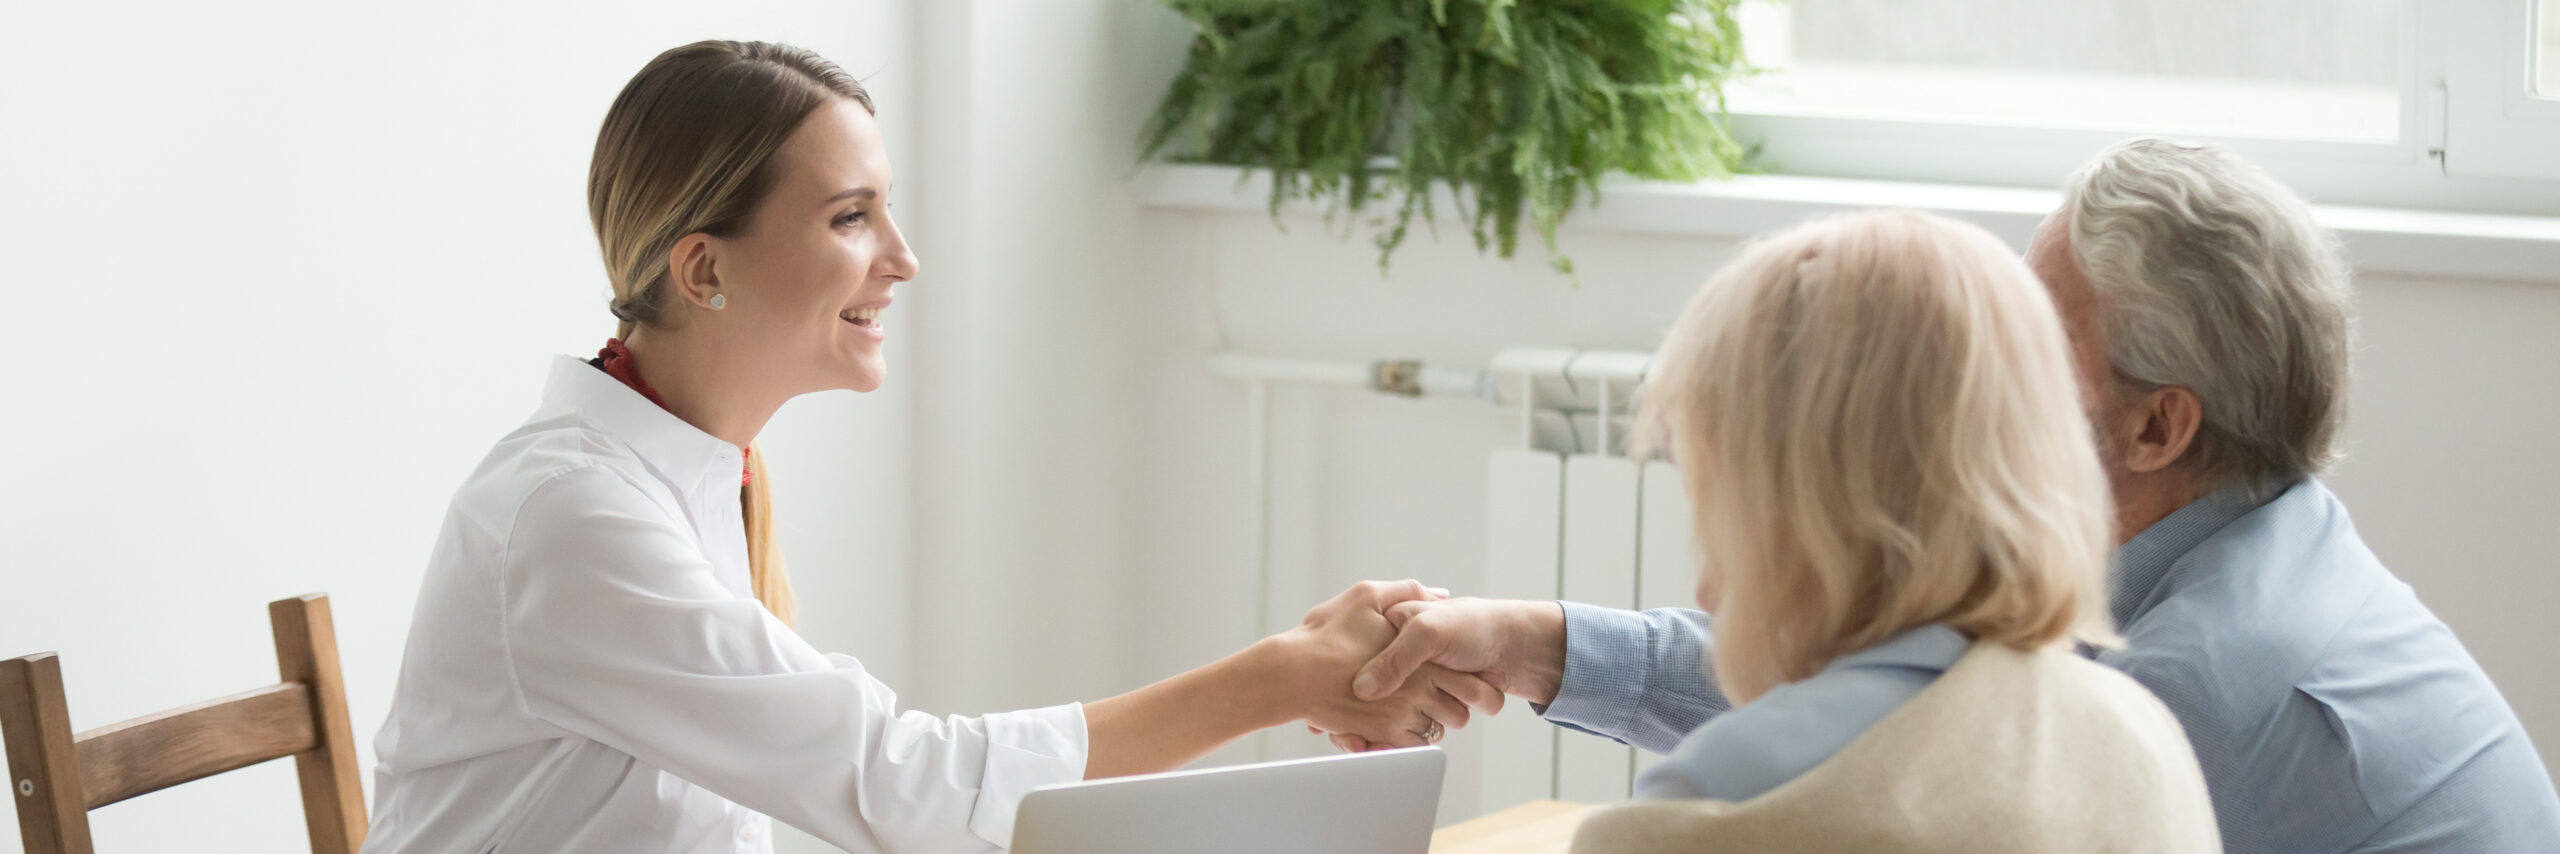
(693, 268)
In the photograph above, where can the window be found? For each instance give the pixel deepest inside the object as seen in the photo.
(2548, 56)
(2403, 103)
(2324, 70)
(2502, 111)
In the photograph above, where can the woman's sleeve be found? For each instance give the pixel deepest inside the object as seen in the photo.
(617, 630)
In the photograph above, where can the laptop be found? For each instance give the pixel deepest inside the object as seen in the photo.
(1381, 802)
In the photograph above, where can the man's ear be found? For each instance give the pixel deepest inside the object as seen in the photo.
(692, 268)
(2167, 420)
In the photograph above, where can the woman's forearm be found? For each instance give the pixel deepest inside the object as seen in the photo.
(1170, 723)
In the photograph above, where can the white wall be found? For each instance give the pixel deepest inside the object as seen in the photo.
(281, 273)
(1028, 313)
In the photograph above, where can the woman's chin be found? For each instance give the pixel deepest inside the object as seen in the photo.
(866, 373)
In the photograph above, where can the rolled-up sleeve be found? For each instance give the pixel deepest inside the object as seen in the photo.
(1642, 677)
(616, 629)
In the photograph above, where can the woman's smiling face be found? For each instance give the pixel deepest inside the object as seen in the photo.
(812, 271)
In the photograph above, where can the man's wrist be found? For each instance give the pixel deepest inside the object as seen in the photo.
(1537, 652)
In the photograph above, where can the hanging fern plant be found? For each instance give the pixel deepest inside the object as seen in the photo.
(1521, 104)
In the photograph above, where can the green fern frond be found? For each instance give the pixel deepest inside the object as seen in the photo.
(1523, 107)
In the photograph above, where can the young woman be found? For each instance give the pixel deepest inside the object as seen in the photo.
(1904, 527)
(602, 659)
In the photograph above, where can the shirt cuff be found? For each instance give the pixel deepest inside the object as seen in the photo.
(1606, 651)
(1025, 750)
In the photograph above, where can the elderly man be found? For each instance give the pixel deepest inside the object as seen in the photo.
(2208, 314)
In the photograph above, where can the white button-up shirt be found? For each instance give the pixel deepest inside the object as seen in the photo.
(588, 671)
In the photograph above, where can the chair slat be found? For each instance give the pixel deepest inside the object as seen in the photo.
(332, 790)
(44, 772)
(153, 752)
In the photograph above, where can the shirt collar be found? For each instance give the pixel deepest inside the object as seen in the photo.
(2142, 564)
(1929, 647)
(679, 451)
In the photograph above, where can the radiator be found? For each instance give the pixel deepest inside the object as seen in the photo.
(1570, 516)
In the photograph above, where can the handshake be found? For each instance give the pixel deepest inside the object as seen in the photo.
(1398, 664)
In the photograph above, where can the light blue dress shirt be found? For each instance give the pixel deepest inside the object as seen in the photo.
(2330, 710)
(1738, 755)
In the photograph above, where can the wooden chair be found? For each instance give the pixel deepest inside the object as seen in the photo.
(57, 778)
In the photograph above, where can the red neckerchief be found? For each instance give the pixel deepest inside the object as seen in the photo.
(615, 359)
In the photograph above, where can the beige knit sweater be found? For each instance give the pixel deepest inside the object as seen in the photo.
(2007, 751)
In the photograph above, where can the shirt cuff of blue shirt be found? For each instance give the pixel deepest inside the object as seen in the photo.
(1606, 651)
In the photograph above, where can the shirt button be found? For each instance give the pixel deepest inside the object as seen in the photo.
(747, 833)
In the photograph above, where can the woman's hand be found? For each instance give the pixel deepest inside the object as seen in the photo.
(1322, 653)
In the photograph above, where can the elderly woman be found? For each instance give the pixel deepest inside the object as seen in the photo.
(1905, 528)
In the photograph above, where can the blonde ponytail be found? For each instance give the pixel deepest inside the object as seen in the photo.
(765, 573)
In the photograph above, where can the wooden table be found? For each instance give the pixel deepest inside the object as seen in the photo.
(1536, 827)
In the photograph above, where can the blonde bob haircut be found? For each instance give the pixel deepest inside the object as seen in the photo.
(1877, 423)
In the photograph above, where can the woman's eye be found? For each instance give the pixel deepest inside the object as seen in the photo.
(851, 219)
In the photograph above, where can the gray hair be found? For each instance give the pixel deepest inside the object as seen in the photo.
(2213, 276)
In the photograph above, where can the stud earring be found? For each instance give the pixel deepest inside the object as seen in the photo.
(719, 301)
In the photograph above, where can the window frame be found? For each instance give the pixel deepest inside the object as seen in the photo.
(2467, 140)
(2496, 125)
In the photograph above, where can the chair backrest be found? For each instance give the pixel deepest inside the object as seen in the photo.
(57, 777)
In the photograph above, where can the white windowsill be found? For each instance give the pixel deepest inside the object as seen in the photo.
(2379, 240)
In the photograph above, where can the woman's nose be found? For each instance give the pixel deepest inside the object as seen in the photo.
(900, 261)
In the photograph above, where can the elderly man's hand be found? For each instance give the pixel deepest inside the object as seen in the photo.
(1346, 632)
(1515, 646)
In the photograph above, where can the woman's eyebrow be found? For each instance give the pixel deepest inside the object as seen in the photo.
(863, 193)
